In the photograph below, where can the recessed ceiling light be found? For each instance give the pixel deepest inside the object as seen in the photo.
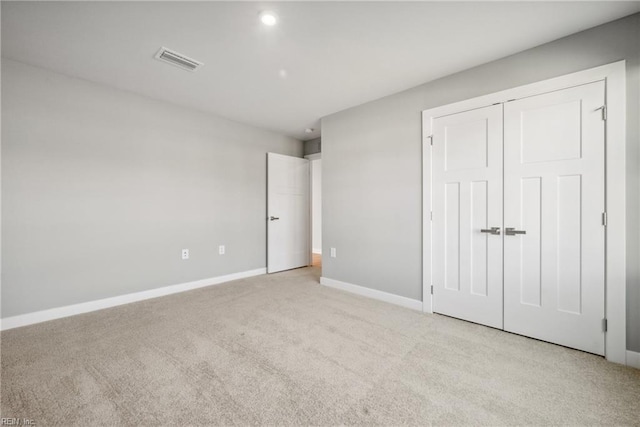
(268, 18)
(308, 130)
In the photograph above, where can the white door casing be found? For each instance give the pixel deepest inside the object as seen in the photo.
(613, 76)
(467, 195)
(288, 216)
(554, 280)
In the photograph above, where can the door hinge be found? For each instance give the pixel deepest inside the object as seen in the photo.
(430, 139)
(431, 215)
(604, 325)
(604, 219)
(604, 112)
(431, 289)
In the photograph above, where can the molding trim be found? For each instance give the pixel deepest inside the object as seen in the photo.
(314, 156)
(614, 75)
(86, 307)
(633, 359)
(412, 304)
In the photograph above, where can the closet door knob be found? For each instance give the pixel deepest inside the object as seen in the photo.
(513, 231)
(492, 230)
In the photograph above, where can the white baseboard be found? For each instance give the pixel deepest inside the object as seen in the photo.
(85, 307)
(317, 251)
(633, 359)
(372, 293)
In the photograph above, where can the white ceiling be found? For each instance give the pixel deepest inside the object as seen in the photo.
(336, 54)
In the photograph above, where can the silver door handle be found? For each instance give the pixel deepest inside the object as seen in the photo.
(273, 218)
(492, 230)
(513, 231)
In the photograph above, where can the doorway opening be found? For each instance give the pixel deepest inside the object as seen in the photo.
(316, 212)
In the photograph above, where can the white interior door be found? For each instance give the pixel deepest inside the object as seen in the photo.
(288, 215)
(467, 203)
(554, 192)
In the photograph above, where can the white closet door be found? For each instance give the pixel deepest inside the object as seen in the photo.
(554, 192)
(467, 198)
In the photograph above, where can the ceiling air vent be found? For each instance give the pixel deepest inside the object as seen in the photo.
(177, 59)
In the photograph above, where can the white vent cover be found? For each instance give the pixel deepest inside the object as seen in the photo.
(179, 60)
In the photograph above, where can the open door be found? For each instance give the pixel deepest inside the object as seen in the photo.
(288, 214)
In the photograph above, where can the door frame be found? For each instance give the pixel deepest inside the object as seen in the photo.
(614, 75)
(311, 158)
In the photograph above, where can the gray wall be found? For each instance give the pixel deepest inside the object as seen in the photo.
(101, 189)
(372, 162)
(312, 146)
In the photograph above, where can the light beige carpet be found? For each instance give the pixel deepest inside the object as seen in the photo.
(281, 349)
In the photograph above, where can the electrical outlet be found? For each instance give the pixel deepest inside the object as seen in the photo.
(185, 254)
(221, 250)
(333, 252)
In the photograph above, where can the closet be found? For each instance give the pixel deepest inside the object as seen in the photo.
(517, 214)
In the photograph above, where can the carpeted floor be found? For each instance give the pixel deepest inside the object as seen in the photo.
(281, 349)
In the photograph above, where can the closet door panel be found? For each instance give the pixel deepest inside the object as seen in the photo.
(467, 198)
(553, 201)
